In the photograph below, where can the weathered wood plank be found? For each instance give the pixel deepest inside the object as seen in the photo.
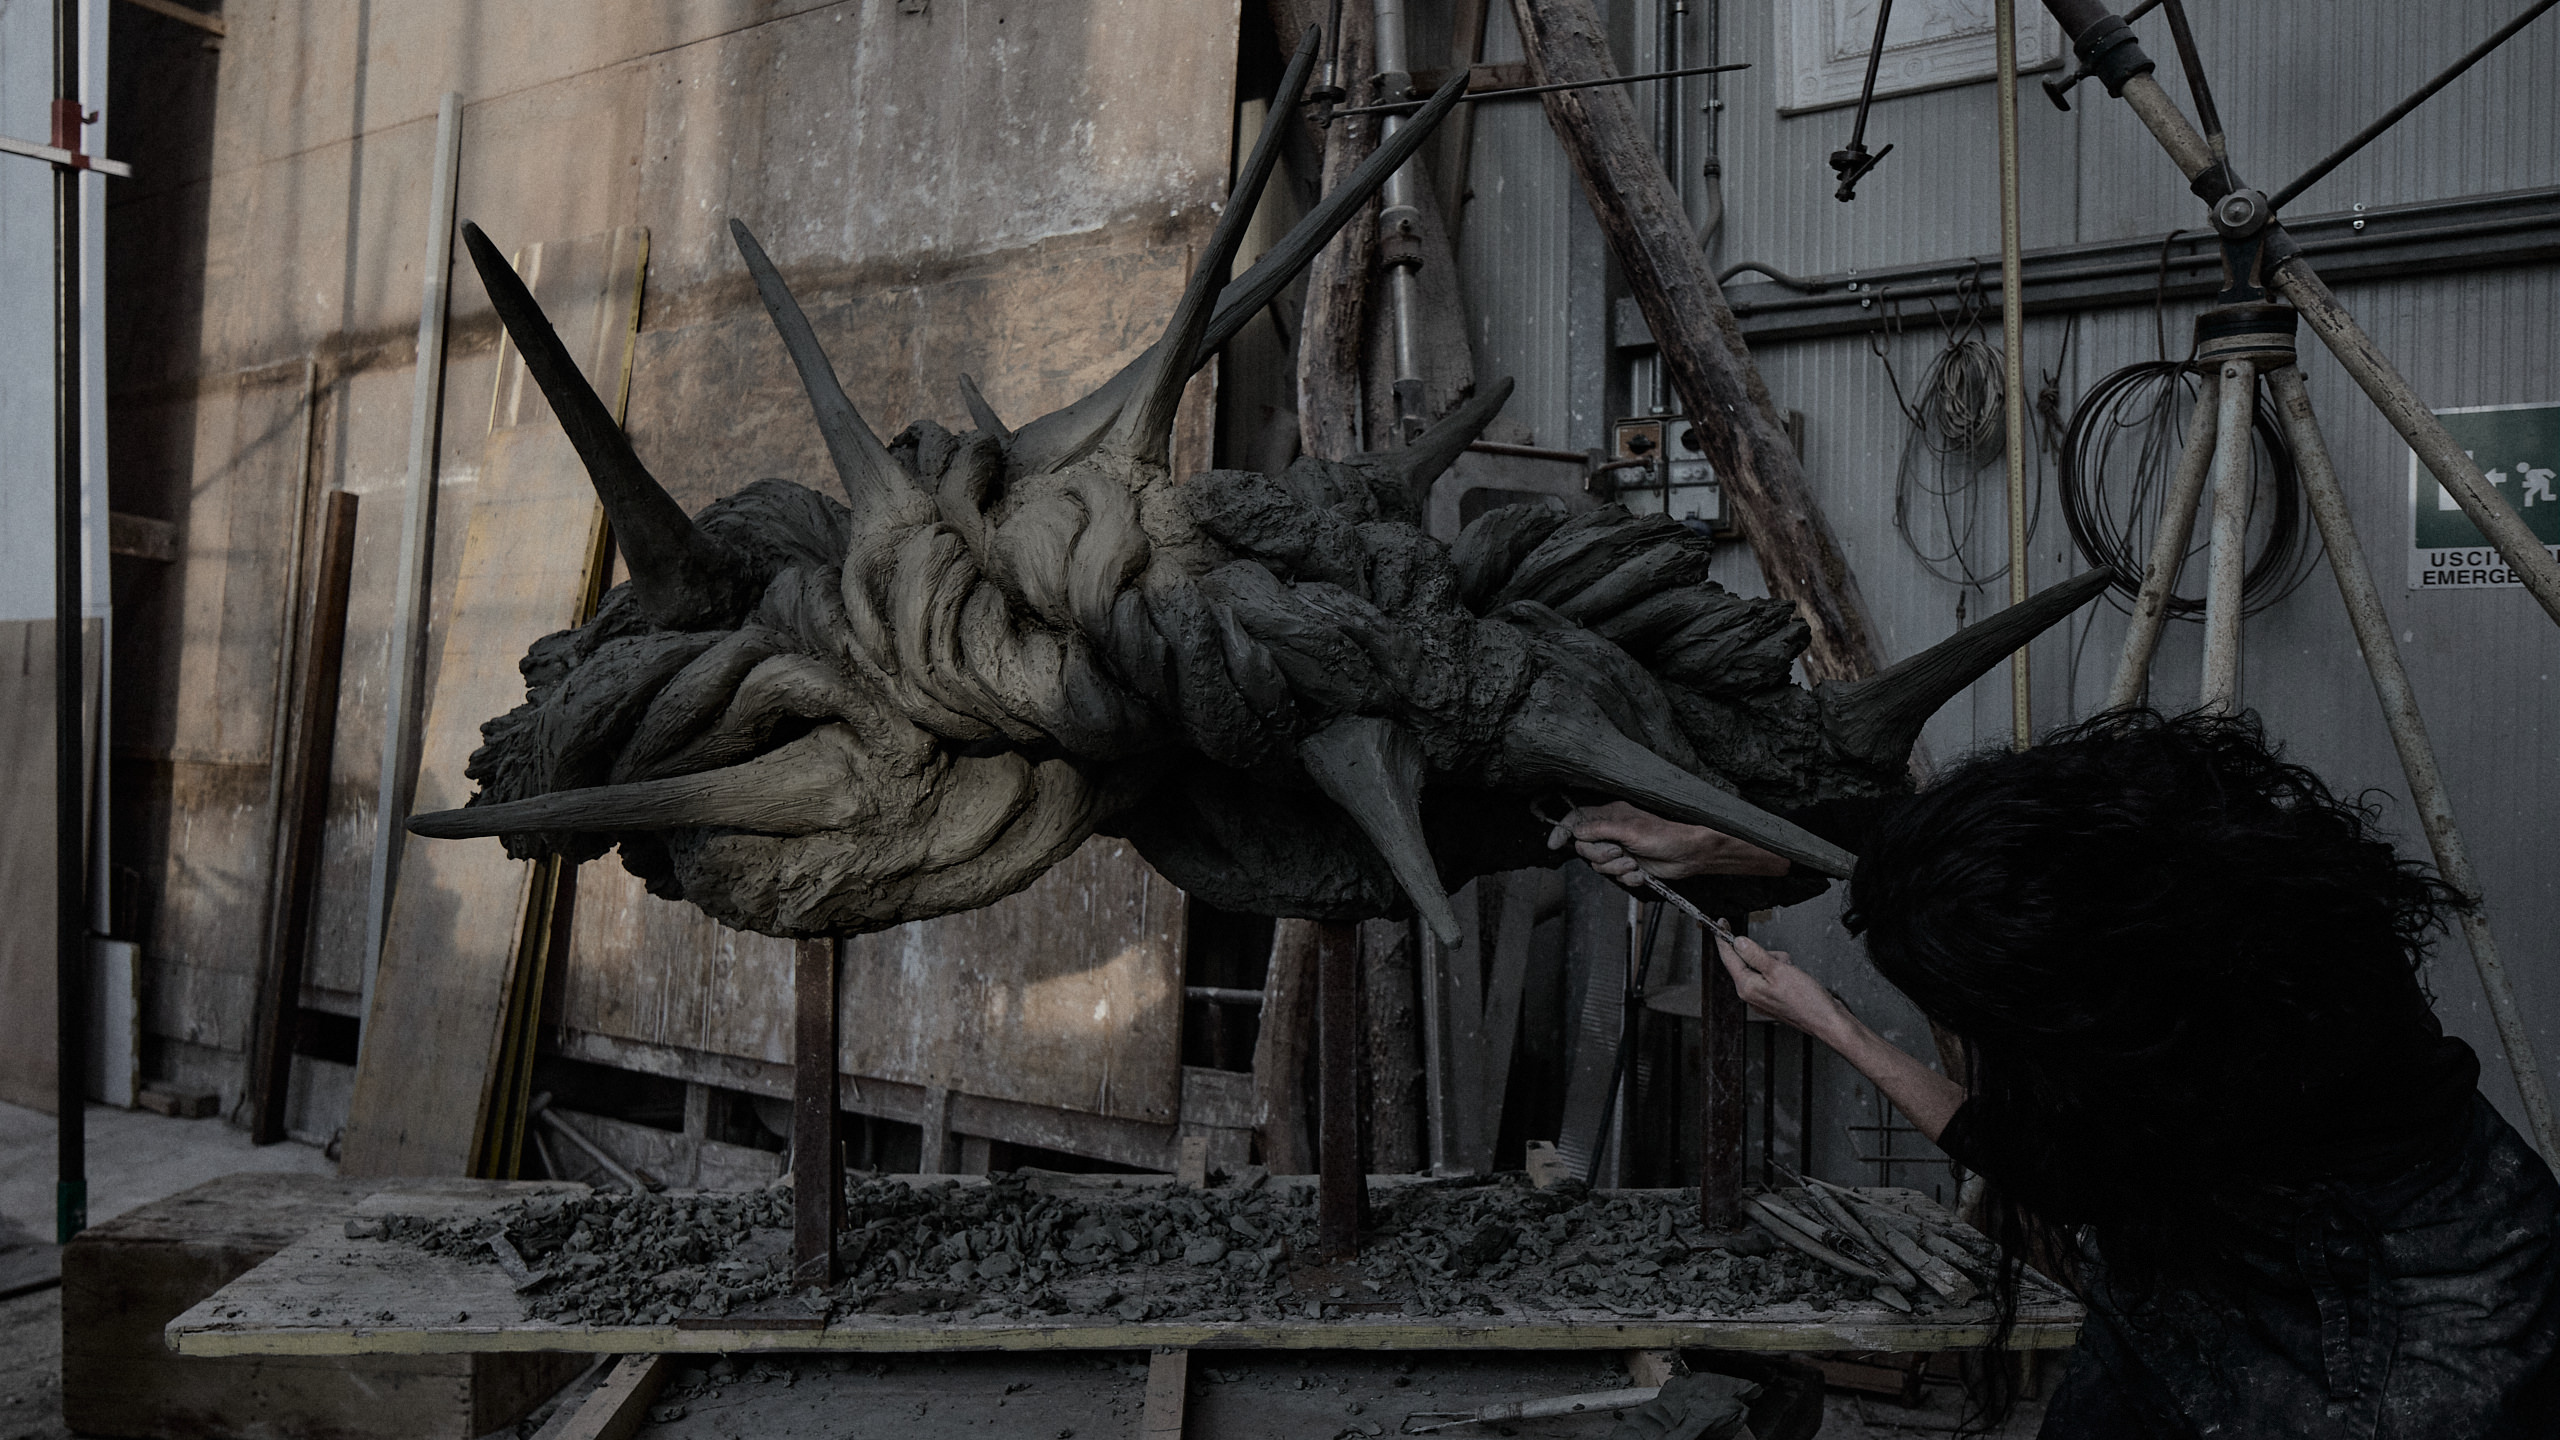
(1168, 1394)
(616, 1409)
(454, 944)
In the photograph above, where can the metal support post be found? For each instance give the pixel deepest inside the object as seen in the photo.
(2229, 556)
(2409, 736)
(1341, 1188)
(1400, 229)
(817, 1175)
(2168, 548)
(70, 771)
(1723, 1035)
(2013, 335)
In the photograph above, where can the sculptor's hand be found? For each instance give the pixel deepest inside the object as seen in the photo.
(1626, 844)
(1769, 983)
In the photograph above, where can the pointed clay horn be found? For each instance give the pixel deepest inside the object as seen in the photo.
(1061, 436)
(1877, 719)
(869, 473)
(1436, 449)
(982, 414)
(1144, 429)
(1561, 738)
(683, 576)
(1372, 768)
(795, 790)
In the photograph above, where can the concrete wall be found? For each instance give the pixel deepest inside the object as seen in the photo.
(1004, 188)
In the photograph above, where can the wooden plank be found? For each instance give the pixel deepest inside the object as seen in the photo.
(331, 1295)
(1391, 1026)
(1168, 1394)
(454, 951)
(302, 811)
(1342, 1195)
(1280, 1050)
(616, 1409)
(817, 1152)
(1724, 1041)
(27, 959)
(1334, 327)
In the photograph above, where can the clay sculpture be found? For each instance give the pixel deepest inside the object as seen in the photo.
(816, 718)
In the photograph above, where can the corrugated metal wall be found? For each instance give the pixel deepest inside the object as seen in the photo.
(2293, 77)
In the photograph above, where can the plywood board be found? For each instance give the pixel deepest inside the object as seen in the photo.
(331, 1295)
(452, 949)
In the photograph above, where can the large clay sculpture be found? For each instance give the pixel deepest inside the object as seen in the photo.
(811, 717)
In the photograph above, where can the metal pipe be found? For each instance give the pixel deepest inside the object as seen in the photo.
(2436, 448)
(2392, 116)
(2409, 736)
(1516, 92)
(417, 537)
(2168, 548)
(2233, 450)
(70, 772)
(1400, 230)
(2013, 335)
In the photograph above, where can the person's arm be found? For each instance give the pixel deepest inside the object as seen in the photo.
(1777, 989)
(1626, 844)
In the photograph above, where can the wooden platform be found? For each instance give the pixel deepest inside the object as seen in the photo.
(331, 1295)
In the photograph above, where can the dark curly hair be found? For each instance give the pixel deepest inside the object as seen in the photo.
(2169, 954)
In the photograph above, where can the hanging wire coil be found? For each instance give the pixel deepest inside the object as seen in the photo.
(2117, 459)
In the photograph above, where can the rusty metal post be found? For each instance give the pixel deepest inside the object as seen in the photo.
(1723, 1035)
(2409, 736)
(1341, 1188)
(817, 1178)
(2168, 547)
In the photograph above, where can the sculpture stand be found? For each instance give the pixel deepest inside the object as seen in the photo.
(817, 1151)
(1342, 1191)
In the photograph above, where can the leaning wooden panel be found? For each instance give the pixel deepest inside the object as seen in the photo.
(452, 947)
(1068, 994)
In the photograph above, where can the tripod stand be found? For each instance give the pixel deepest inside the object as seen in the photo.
(2249, 335)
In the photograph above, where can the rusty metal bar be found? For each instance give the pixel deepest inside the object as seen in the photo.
(817, 1180)
(2409, 736)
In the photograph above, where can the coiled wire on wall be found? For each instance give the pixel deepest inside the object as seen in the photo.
(1958, 427)
(2117, 459)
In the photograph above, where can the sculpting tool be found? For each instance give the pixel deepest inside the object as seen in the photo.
(1659, 890)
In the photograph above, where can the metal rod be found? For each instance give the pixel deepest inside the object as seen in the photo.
(1223, 995)
(1626, 1041)
(1400, 230)
(1511, 92)
(2409, 736)
(2418, 97)
(70, 770)
(2168, 548)
(2232, 452)
(417, 537)
(2208, 117)
(2013, 335)
(1875, 60)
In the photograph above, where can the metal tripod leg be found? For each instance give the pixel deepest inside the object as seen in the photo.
(2229, 555)
(2409, 736)
(2168, 550)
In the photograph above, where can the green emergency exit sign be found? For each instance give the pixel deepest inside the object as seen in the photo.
(2518, 447)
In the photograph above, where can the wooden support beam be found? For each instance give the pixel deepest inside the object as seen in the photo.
(1280, 1052)
(1335, 325)
(304, 813)
(1391, 1018)
(1342, 1187)
(1701, 345)
(615, 1409)
(1724, 1055)
(1168, 1394)
(817, 1179)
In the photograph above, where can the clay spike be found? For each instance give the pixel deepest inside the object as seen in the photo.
(1372, 768)
(787, 792)
(868, 472)
(1144, 428)
(982, 414)
(1061, 436)
(1879, 718)
(1436, 449)
(1567, 741)
(683, 576)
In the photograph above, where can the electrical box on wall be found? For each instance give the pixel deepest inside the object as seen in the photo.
(1675, 476)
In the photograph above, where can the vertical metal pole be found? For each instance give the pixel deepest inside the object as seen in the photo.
(2168, 548)
(2013, 333)
(1340, 1185)
(417, 536)
(2229, 558)
(1723, 1032)
(817, 1179)
(2409, 736)
(70, 771)
(1400, 229)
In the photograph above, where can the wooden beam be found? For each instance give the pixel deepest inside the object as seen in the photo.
(1342, 1186)
(304, 812)
(1724, 1055)
(817, 1180)
(1701, 345)
(1391, 1021)
(1168, 1393)
(1335, 326)
(615, 1409)
(209, 23)
(1280, 1051)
